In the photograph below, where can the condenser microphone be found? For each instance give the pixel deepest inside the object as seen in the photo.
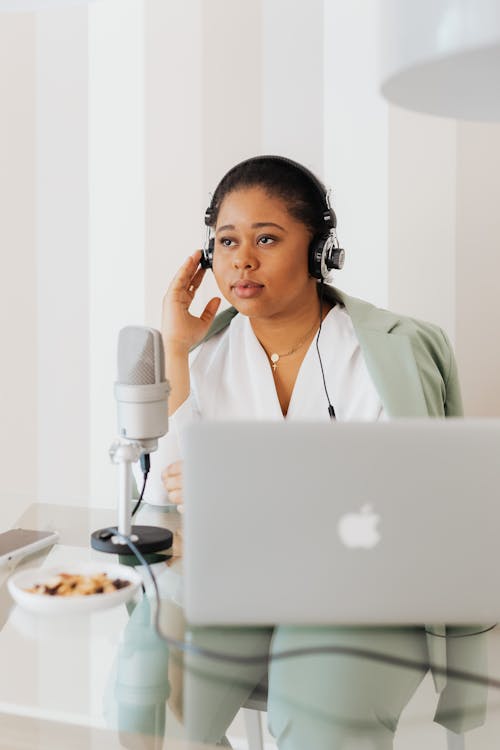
(141, 393)
(141, 390)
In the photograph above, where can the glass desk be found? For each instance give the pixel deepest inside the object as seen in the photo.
(106, 680)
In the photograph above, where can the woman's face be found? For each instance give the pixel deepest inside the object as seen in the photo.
(260, 254)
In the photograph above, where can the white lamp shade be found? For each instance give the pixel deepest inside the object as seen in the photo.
(442, 56)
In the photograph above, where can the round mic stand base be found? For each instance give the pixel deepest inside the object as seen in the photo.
(147, 539)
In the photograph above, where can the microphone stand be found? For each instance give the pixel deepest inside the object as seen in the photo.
(146, 538)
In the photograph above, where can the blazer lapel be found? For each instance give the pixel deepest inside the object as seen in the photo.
(391, 364)
(389, 357)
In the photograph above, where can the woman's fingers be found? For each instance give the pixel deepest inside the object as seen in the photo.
(174, 468)
(183, 279)
(209, 312)
(196, 280)
(172, 481)
(175, 496)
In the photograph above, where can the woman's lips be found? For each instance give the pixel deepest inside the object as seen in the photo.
(247, 289)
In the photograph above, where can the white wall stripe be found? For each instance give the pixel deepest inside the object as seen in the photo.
(62, 256)
(292, 92)
(116, 185)
(18, 386)
(356, 145)
(422, 158)
(18, 371)
(174, 196)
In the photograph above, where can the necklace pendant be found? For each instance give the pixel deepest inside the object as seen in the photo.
(274, 359)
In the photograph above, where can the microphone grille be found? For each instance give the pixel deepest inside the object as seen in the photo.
(140, 356)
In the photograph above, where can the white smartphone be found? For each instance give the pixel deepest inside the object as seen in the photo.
(18, 543)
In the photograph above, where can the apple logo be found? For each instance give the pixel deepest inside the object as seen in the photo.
(358, 529)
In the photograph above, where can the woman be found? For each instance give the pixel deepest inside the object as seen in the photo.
(300, 349)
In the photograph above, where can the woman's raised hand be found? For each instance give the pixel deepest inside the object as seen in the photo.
(181, 329)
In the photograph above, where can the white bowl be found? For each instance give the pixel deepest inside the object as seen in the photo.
(56, 605)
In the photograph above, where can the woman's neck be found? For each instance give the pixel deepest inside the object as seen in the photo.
(281, 333)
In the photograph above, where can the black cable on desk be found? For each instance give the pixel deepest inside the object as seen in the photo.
(145, 466)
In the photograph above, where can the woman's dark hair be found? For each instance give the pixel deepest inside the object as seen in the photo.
(281, 178)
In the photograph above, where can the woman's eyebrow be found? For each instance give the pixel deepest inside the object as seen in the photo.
(254, 226)
(267, 224)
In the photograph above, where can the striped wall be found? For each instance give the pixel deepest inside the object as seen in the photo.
(119, 118)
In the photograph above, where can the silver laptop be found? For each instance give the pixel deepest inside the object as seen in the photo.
(388, 522)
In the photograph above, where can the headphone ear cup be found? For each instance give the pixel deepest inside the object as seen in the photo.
(338, 257)
(207, 256)
(325, 255)
(316, 250)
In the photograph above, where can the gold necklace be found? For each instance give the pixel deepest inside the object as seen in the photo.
(275, 357)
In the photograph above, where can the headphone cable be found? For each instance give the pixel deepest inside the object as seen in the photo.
(331, 410)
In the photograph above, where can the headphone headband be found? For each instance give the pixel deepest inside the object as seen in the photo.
(328, 213)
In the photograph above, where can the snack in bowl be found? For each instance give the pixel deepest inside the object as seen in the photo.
(74, 588)
(74, 584)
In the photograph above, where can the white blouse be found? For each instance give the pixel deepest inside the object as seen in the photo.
(231, 379)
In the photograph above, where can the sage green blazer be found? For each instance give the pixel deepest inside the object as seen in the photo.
(414, 371)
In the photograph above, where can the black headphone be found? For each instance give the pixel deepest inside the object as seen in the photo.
(324, 251)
